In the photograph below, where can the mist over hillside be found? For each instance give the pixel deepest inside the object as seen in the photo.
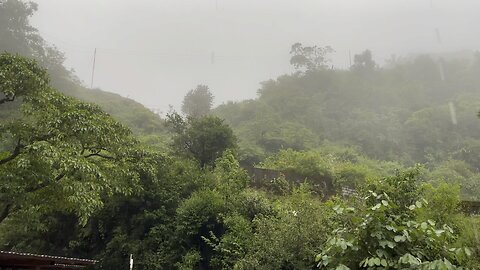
(155, 51)
(345, 156)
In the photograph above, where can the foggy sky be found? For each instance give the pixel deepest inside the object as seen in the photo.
(154, 51)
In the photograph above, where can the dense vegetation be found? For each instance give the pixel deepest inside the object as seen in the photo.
(78, 181)
(414, 110)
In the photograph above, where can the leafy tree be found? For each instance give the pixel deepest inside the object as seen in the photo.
(144, 223)
(62, 154)
(287, 239)
(197, 102)
(363, 61)
(20, 77)
(328, 170)
(387, 232)
(16, 33)
(75, 181)
(309, 58)
(457, 172)
(202, 218)
(18, 36)
(204, 139)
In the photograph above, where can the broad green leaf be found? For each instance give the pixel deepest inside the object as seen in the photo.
(399, 238)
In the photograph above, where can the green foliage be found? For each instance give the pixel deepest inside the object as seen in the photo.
(229, 176)
(289, 239)
(17, 36)
(204, 139)
(457, 172)
(127, 111)
(310, 58)
(191, 260)
(203, 218)
(395, 112)
(197, 102)
(342, 167)
(387, 232)
(199, 214)
(469, 238)
(308, 163)
(73, 181)
(443, 203)
(145, 223)
(363, 62)
(469, 151)
(62, 154)
(20, 77)
(233, 245)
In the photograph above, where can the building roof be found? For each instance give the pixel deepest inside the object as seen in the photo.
(13, 258)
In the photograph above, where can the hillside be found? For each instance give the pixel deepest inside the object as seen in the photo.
(19, 37)
(320, 171)
(125, 110)
(417, 110)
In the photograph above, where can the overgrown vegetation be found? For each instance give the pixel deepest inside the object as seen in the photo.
(75, 181)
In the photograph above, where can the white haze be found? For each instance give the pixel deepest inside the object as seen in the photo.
(154, 51)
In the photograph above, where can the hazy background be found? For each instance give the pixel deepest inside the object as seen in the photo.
(154, 51)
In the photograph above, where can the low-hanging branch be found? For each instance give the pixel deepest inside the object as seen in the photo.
(5, 212)
(98, 155)
(95, 151)
(7, 99)
(46, 183)
(14, 154)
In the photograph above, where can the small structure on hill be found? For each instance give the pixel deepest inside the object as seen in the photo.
(262, 176)
(11, 260)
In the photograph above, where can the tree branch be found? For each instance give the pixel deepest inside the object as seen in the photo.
(98, 155)
(5, 212)
(6, 99)
(15, 153)
(7, 209)
(46, 183)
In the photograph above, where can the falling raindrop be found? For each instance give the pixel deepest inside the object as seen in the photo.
(453, 114)
(437, 34)
(441, 70)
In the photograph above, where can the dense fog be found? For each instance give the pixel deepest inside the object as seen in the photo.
(155, 51)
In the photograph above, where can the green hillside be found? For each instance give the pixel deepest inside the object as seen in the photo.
(19, 37)
(336, 153)
(422, 109)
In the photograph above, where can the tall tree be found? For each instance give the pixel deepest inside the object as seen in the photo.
(20, 77)
(204, 139)
(59, 154)
(309, 58)
(18, 36)
(197, 102)
(364, 61)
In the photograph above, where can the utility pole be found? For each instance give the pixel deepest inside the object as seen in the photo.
(93, 67)
(131, 261)
(350, 57)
